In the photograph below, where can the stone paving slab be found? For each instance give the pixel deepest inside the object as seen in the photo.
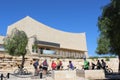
(28, 78)
(12, 77)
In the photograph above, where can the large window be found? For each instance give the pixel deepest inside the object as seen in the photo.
(48, 52)
(48, 43)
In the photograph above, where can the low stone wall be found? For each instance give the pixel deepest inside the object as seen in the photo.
(64, 75)
(94, 74)
(80, 73)
(91, 74)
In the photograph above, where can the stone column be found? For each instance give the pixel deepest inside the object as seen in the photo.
(74, 54)
(62, 53)
(66, 53)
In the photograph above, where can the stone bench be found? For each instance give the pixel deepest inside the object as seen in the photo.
(64, 75)
(91, 74)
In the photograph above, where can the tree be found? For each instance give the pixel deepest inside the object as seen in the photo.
(109, 27)
(15, 44)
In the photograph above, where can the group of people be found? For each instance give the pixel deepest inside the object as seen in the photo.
(98, 65)
(38, 67)
(58, 65)
(55, 65)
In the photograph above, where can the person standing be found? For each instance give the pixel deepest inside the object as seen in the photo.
(103, 64)
(86, 64)
(61, 65)
(53, 65)
(36, 64)
(58, 64)
(45, 66)
(93, 66)
(99, 66)
(71, 65)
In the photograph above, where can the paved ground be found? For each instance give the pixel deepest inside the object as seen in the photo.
(32, 77)
(12, 77)
(26, 77)
(35, 78)
(113, 76)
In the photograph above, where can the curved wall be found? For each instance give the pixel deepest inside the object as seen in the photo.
(67, 40)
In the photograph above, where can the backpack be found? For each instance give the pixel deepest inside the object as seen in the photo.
(34, 64)
(45, 63)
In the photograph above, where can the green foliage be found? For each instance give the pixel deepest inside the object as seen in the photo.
(15, 43)
(35, 48)
(94, 58)
(109, 27)
(103, 47)
(107, 59)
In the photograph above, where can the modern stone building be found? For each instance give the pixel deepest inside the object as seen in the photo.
(44, 40)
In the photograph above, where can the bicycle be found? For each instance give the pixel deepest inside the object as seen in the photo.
(108, 70)
(20, 71)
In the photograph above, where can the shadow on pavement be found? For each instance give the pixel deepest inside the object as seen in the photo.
(113, 76)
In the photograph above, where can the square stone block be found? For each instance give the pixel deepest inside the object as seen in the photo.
(94, 74)
(64, 75)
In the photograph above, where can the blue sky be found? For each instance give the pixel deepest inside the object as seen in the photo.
(67, 15)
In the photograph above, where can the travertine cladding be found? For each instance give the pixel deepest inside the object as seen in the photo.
(64, 75)
(94, 74)
(91, 74)
(1, 39)
(113, 64)
(76, 41)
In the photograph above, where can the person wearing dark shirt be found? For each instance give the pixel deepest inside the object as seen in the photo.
(36, 64)
(93, 66)
(99, 66)
(45, 66)
(103, 64)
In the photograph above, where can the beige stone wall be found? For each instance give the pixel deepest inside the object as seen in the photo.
(76, 41)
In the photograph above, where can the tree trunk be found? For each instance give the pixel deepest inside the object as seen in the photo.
(23, 61)
(119, 64)
(22, 65)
